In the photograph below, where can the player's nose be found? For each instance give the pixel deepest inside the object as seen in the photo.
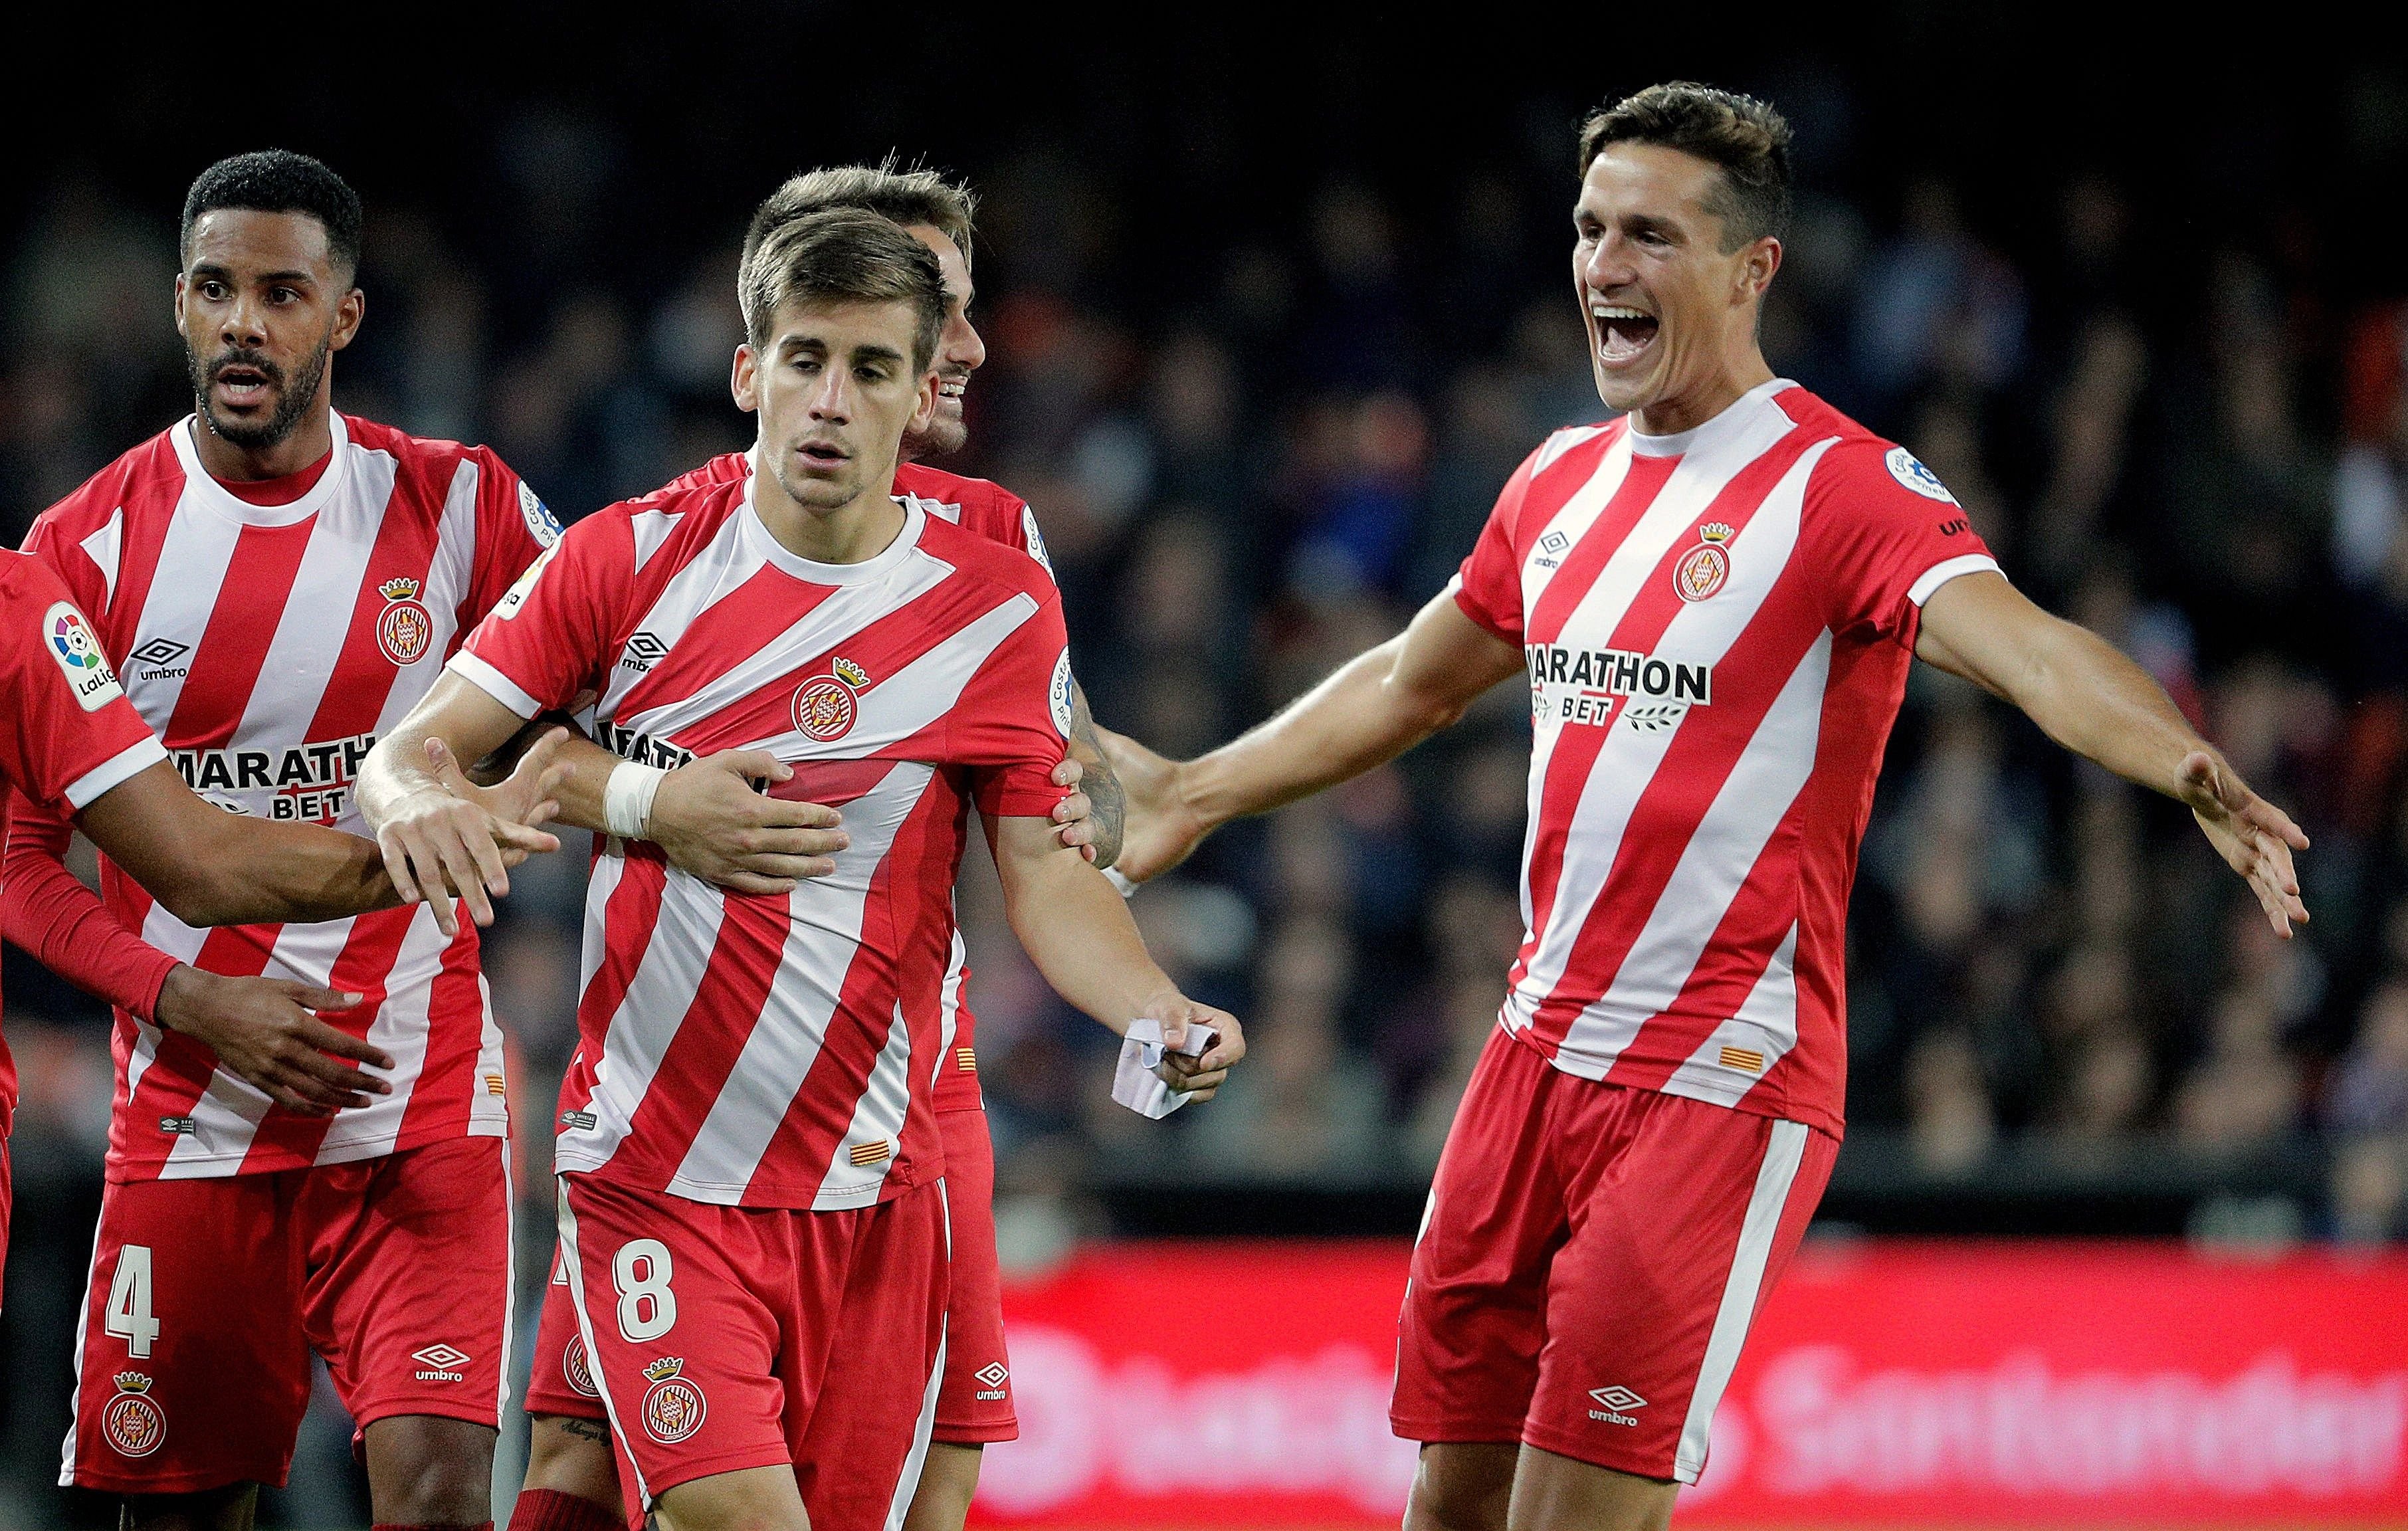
(967, 346)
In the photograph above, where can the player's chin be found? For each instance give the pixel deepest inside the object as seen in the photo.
(947, 432)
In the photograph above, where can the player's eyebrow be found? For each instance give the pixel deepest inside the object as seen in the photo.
(874, 352)
(212, 268)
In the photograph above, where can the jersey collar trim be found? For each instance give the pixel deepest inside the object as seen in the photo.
(207, 491)
(756, 532)
(1730, 419)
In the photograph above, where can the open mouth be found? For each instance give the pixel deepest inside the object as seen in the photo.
(1623, 333)
(241, 387)
(952, 388)
(824, 454)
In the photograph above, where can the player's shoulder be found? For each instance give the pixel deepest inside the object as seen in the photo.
(1858, 459)
(957, 491)
(1575, 448)
(417, 451)
(681, 515)
(25, 580)
(147, 474)
(978, 556)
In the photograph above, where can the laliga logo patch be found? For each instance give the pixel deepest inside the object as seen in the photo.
(130, 1421)
(1057, 694)
(540, 524)
(79, 656)
(576, 1371)
(673, 1406)
(1706, 568)
(1913, 475)
(407, 627)
(826, 707)
(1035, 538)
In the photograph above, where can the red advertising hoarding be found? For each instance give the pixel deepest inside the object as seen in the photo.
(1898, 1385)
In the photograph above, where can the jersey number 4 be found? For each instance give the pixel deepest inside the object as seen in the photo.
(129, 1300)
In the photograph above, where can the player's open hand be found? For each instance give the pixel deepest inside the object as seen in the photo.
(1198, 1078)
(1074, 815)
(2254, 837)
(1161, 830)
(458, 839)
(267, 1031)
(713, 822)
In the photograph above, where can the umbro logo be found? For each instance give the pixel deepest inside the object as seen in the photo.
(991, 1378)
(443, 1363)
(1551, 548)
(643, 652)
(1616, 1403)
(160, 651)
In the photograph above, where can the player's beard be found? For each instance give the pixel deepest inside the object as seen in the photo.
(294, 395)
(946, 434)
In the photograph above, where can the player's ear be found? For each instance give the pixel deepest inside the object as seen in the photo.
(741, 382)
(923, 410)
(348, 314)
(1756, 270)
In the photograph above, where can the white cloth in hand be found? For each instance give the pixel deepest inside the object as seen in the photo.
(1134, 1083)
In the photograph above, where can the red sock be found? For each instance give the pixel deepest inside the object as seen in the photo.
(549, 1509)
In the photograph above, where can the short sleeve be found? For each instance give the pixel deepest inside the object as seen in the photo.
(1488, 587)
(513, 529)
(1881, 532)
(1012, 723)
(70, 735)
(548, 639)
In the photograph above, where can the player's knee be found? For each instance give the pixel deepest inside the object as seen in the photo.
(948, 1481)
(431, 1472)
(227, 1509)
(1461, 1487)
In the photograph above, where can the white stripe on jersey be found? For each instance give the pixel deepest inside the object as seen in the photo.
(717, 569)
(1767, 1023)
(193, 559)
(677, 954)
(878, 1117)
(448, 579)
(1628, 758)
(822, 938)
(914, 697)
(104, 548)
(1722, 852)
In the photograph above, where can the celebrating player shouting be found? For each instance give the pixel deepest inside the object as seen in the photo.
(570, 1482)
(1715, 599)
(280, 583)
(752, 1201)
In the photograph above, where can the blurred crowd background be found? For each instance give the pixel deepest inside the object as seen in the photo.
(1268, 325)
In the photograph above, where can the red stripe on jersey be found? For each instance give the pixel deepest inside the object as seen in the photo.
(766, 602)
(450, 1081)
(154, 488)
(711, 1036)
(360, 969)
(181, 1067)
(635, 903)
(1690, 770)
(405, 546)
(226, 662)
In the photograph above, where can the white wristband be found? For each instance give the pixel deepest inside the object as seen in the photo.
(628, 799)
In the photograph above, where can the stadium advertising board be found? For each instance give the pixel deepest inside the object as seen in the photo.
(1170, 1385)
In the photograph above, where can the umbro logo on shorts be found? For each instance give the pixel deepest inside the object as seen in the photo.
(994, 1375)
(1616, 1400)
(443, 1363)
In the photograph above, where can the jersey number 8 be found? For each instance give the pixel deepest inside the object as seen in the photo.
(647, 1307)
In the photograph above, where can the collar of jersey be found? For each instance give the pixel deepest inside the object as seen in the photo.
(1737, 410)
(207, 490)
(756, 531)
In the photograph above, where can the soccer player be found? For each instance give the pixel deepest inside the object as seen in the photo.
(1715, 599)
(570, 1484)
(73, 744)
(279, 583)
(752, 1195)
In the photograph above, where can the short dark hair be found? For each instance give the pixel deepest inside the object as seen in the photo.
(906, 197)
(845, 255)
(278, 181)
(1741, 137)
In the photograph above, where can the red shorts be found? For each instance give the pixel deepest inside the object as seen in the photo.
(727, 1337)
(974, 1400)
(208, 1295)
(1590, 1264)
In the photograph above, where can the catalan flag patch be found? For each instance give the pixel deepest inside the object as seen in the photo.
(1744, 1060)
(494, 1085)
(967, 1057)
(873, 1152)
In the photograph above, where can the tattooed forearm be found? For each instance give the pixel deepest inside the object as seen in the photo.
(1102, 787)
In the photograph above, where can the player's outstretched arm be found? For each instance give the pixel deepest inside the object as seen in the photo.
(438, 832)
(1077, 932)
(2092, 700)
(1379, 704)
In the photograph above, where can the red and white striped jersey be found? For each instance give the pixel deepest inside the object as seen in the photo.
(67, 733)
(1717, 627)
(778, 1049)
(268, 646)
(991, 510)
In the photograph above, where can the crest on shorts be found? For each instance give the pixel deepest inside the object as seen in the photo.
(576, 1371)
(673, 1406)
(824, 706)
(130, 1422)
(1704, 568)
(406, 627)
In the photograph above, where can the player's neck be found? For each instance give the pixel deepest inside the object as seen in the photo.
(310, 440)
(1693, 407)
(854, 532)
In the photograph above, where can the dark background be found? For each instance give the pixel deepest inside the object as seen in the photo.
(1275, 302)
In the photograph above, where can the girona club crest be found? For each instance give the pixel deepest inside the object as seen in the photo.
(131, 1422)
(406, 627)
(576, 1370)
(827, 706)
(1704, 568)
(673, 1406)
